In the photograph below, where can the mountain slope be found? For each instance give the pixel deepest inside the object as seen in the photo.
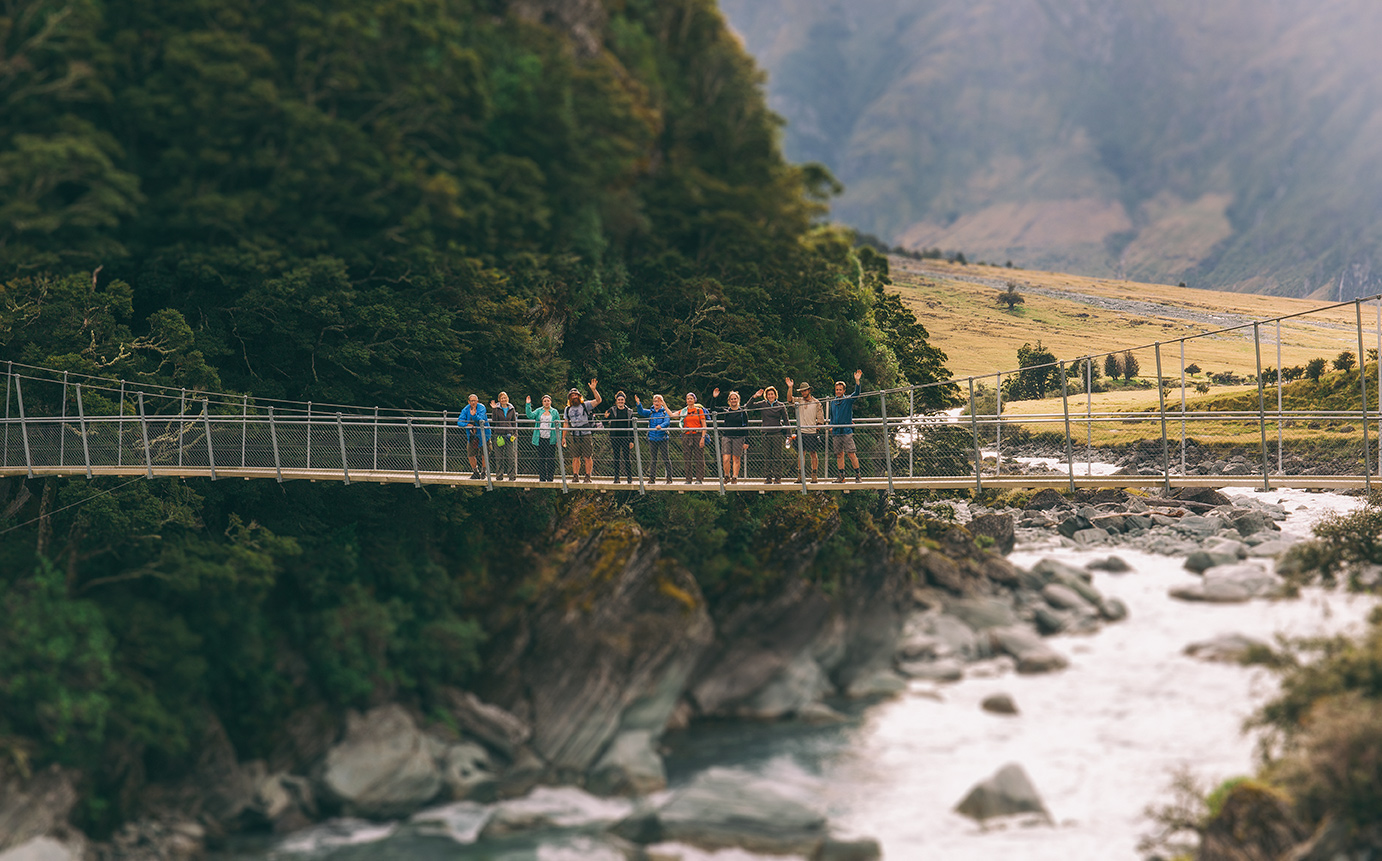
(1226, 145)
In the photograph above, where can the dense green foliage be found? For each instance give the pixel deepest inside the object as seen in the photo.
(387, 202)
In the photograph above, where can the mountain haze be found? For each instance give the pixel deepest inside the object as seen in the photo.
(1230, 144)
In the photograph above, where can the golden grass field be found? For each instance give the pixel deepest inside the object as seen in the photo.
(980, 336)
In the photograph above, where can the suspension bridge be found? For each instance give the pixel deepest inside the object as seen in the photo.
(60, 423)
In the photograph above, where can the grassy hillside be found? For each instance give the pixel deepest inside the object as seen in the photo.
(1076, 316)
(1227, 145)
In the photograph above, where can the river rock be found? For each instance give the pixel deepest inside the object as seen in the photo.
(468, 773)
(1049, 621)
(999, 704)
(1270, 549)
(281, 802)
(800, 682)
(1045, 500)
(1228, 584)
(1112, 610)
(1113, 565)
(1062, 597)
(723, 809)
(1090, 536)
(1202, 560)
(955, 637)
(384, 767)
(1252, 522)
(835, 849)
(1199, 525)
(1028, 649)
(1225, 648)
(982, 613)
(879, 683)
(999, 527)
(942, 670)
(1009, 792)
(819, 714)
(1202, 495)
(1073, 524)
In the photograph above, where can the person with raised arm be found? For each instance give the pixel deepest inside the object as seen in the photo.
(475, 422)
(619, 419)
(773, 415)
(659, 419)
(812, 420)
(693, 435)
(577, 435)
(546, 426)
(504, 420)
(734, 439)
(842, 428)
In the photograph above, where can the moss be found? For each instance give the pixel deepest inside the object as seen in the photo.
(676, 593)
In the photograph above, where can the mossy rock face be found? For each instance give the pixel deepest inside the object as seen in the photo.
(1250, 821)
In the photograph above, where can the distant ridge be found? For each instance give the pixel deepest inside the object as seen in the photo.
(1231, 145)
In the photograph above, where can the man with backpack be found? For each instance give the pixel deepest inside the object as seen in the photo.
(475, 422)
(578, 424)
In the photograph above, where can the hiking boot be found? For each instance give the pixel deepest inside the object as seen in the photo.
(814, 477)
(858, 477)
(840, 479)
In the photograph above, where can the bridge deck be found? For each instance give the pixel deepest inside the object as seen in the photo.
(711, 484)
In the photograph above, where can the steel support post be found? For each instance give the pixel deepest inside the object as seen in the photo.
(801, 452)
(719, 460)
(912, 426)
(81, 418)
(1261, 404)
(182, 411)
(62, 425)
(974, 431)
(998, 422)
(375, 466)
(24, 427)
(1183, 470)
(1069, 444)
(412, 447)
(445, 423)
(206, 425)
(309, 434)
(273, 438)
(9, 377)
(1280, 422)
(1363, 390)
(638, 454)
(120, 430)
(1089, 416)
(561, 455)
(1165, 446)
(345, 464)
(887, 439)
(484, 453)
(1379, 385)
(244, 427)
(144, 433)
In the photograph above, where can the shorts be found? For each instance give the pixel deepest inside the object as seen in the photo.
(473, 446)
(735, 446)
(580, 445)
(812, 442)
(843, 443)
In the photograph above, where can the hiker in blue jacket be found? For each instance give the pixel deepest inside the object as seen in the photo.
(475, 421)
(842, 428)
(659, 419)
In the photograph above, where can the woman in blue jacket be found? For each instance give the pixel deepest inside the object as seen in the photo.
(658, 422)
(546, 430)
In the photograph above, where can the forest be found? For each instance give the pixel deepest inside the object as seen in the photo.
(391, 202)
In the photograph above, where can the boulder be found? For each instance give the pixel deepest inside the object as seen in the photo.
(1028, 649)
(879, 683)
(491, 725)
(1113, 565)
(1073, 524)
(943, 670)
(1112, 610)
(42, 849)
(1202, 560)
(956, 638)
(468, 773)
(800, 682)
(1245, 575)
(1225, 648)
(999, 704)
(1251, 522)
(384, 767)
(982, 613)
(1091, 536)
(1270, 549)
(35, 808)
(1049, 621)
(1199, 525)
(630, 766)
(281, 802)
(1009, 792)
(999, 527)
(723, 809)
(1062, 597)
(1225, 547)
(1201, 495)
(1046, 500)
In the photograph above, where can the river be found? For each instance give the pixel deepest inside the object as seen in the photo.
(1100, 740)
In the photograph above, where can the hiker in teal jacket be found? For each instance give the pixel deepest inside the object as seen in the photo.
(475, 421)
(546, 431)
(842, 428)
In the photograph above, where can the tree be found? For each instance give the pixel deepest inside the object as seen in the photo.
(1037, 372)
(1314, 369)
(1345, 361)
(1130, 366)
(1192, 369)
(1113, 366)
(1010, 297)
(1295, 372)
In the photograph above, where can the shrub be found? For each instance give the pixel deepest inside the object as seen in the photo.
(1314, 369)
(1345, 361)
(1334, 769)
(1295, 372)
(1202, 388)
(1011, 297)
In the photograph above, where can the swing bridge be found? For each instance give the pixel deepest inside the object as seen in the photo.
(60, 423)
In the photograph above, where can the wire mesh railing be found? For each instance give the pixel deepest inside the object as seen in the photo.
(58, 422)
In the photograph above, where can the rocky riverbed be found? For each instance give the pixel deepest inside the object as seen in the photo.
(815, 725)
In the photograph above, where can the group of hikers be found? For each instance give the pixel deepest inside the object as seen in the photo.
(492, 434)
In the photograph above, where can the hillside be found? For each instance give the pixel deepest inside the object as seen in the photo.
(1077, 315)
(1226, 145)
